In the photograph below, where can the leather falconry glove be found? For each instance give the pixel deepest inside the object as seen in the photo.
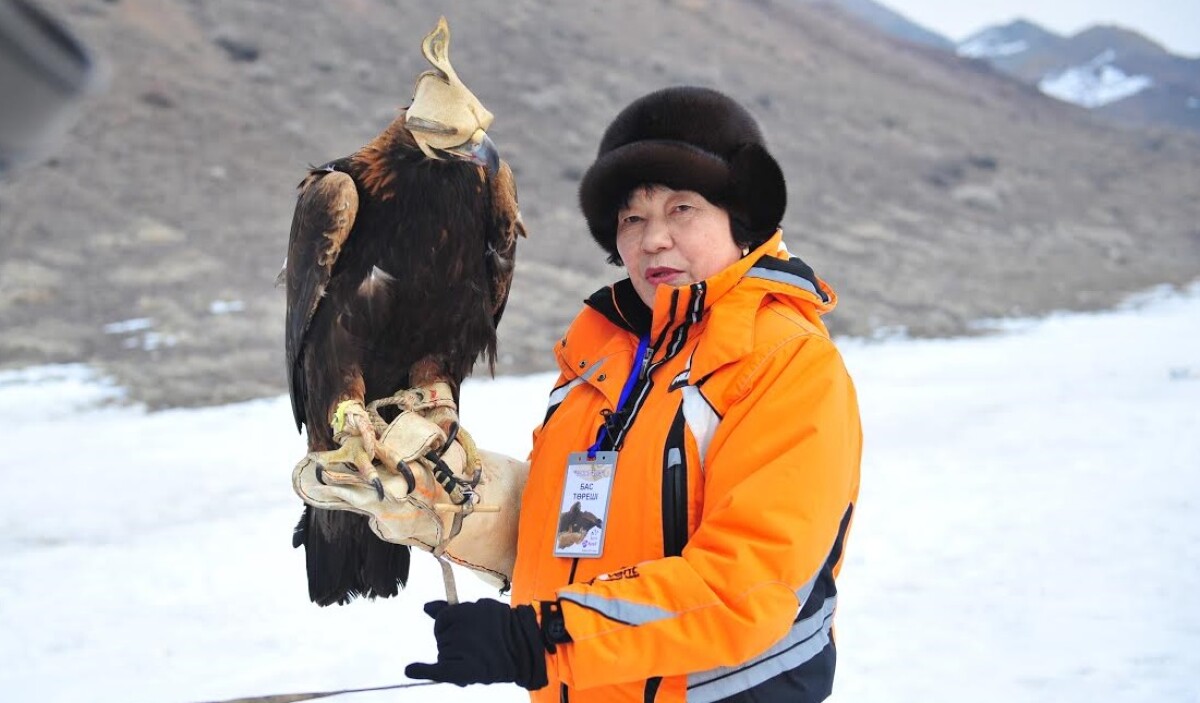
(421, 508)
(487, 642)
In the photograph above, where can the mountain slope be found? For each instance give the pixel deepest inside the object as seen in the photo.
(891, 23)
(1119, 72)
(928, 190)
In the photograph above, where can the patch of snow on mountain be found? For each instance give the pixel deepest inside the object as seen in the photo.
(126, 326)
(225, 307)
(991, 44)
(1094, 84)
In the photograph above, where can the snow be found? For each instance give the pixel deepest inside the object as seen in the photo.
(1026, 531)
(225, 307)
(148, 341)
(1094, 84)
(991, 44)
(135, 324)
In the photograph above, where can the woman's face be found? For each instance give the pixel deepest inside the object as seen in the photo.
(672, 237)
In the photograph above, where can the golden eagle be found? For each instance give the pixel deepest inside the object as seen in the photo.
(398, 269)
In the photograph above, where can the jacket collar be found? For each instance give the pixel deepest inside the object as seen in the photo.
(768, 270)
(621, 305)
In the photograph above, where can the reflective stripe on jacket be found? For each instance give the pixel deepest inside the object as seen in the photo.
(737, 475)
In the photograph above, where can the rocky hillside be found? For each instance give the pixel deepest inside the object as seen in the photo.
(929, 190)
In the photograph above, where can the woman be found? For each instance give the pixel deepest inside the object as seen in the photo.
(693, 482)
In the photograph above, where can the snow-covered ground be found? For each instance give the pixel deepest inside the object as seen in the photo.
(1028, 530)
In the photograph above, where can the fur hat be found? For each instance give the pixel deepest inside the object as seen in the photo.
(685, 138)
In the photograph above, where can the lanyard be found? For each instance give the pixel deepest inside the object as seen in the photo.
(639, 359)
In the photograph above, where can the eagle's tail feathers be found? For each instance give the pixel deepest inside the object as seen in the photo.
(345, 560)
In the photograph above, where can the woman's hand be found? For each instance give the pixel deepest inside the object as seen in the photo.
(484, 642)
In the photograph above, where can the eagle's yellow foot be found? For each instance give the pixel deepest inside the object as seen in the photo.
(352, 453)
(352, 419)
(353, 429)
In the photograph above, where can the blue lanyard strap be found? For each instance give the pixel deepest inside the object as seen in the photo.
(639, 359)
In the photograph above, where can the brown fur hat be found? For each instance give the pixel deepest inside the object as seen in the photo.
(685, 138)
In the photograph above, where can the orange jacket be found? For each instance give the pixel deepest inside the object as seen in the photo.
(732, 497)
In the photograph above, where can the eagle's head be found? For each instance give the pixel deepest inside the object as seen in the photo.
(445, 118)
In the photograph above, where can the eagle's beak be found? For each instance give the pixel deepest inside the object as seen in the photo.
(479, 149)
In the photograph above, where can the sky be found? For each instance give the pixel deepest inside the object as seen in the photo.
(1172, 23)
(1026, 531)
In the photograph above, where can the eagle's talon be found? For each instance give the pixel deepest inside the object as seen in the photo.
(451, 435)
(392, 462)
(360, 470)
(407, 473)
(332, 477)
(378, 484)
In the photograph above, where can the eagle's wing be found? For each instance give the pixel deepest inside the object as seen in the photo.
(502, 239)
(325, 212)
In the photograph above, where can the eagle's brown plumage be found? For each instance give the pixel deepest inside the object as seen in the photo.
(394, 257)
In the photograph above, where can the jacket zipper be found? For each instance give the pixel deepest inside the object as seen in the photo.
(651, 690)
(674, 489)
(672, 495)
(674, 510)
(563, 696)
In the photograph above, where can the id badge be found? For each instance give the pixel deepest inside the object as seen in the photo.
(584, 511)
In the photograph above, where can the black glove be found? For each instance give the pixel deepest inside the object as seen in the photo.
(485, 642)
